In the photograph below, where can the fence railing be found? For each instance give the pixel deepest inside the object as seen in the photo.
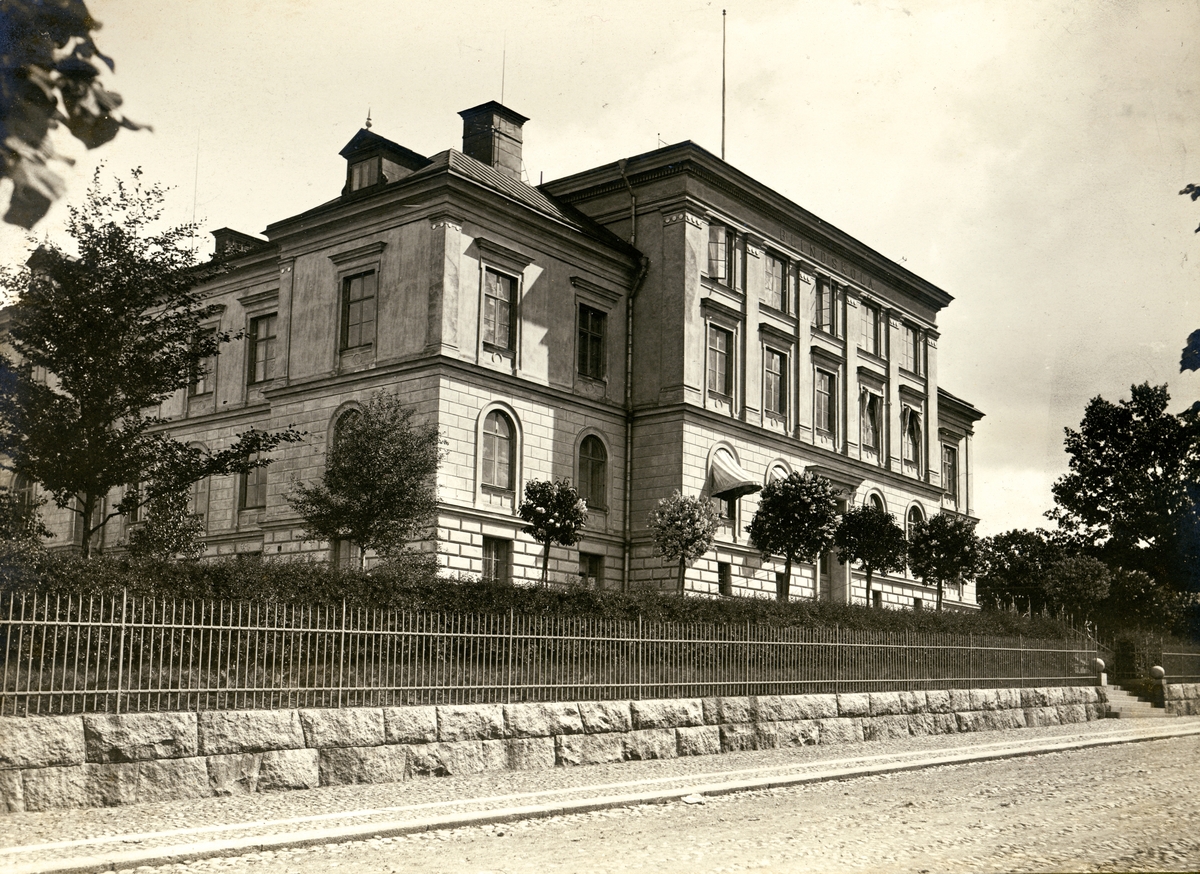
(122, 654)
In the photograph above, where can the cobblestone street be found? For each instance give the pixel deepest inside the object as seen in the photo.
(1130, 807)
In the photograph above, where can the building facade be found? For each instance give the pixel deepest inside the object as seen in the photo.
(661, 323)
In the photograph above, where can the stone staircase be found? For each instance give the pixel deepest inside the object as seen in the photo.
(1126, 705)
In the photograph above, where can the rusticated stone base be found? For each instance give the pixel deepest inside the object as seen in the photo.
(107, 760)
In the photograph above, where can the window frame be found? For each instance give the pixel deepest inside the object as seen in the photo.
(347, 302)
(597, 473)
(591, 569)
(372, 167)
(825, 315)
(510, 324)
(489, 467)
(911, 349)
(871, 340)
(779, 393)
(259, 485)
(912, 439)
(868, 400)
(591, 353)
(719, 247)
(270, 342)
(204, 377)
(777, 298)
(950, 482)
(828, 427)
(714, 356)
(725, 579)
(496, 552)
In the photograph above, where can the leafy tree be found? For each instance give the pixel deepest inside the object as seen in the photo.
(116, 330)
(47, 61)
(1076, 584)
(796, 518)
(870, 536)
(944, 548)
(378, 488)
(1132, 496)
(555, 514)
(683, 529)
(1015, 570)
(21, 520)
(170, 531)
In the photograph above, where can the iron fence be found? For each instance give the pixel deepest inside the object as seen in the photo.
(122, 654)
(1181, 666)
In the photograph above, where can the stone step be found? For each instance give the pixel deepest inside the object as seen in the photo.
(1126, 705)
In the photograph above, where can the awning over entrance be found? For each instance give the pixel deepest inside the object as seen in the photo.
(727, 477)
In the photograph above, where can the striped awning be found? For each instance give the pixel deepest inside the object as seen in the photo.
(727, 478)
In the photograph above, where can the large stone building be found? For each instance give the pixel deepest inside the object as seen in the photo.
(663, 322)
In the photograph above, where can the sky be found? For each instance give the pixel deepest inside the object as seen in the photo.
(1024, 156)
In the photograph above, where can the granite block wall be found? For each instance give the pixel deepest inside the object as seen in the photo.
(100, 760)
(1182, 699)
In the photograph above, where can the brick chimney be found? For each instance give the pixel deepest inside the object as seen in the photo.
(492, 134)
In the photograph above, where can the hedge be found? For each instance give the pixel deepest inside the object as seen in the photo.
(413, 584)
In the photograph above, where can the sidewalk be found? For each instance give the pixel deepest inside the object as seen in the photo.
(127, 837)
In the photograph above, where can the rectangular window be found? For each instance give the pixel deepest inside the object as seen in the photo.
(826, 403)
(358, 310)
(591, 570)
(205, 373)
(910, 352)
(870, 329)
(825, 311)
(254, 489)
(262, 348)
(725, 578)
(499, 307)
(877, 600)
(720, 369)
(718, 252)
(775, 383)
(496, 559)
(918, 604)
(870, 421)
(133, 496)
(364, 173)
(726, 509)
(950, 471)
(592, 324)
(775, 293)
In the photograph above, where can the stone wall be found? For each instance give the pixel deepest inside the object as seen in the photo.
(1182, 699)
(104, 760)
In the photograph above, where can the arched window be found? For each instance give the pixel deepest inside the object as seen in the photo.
(347, 418)
(873, 500)
(914, 518)
(498, 442)
(593, 473)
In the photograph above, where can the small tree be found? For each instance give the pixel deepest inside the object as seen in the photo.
(796, 518)
(870, 536)
(555, 514)
(171, 529)
(117, 329)
(944, 548)
(1015, 569)
(1076, 584)
(378, 487)
(683, 530)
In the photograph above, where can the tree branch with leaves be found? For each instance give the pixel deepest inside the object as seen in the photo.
(683, 529)
(555, 514)
(797, 519)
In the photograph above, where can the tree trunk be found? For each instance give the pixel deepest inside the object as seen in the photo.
(869, 571)
(546, 564)
(362, 557)
(785, 586)
(939, 596)
(682, 574)
(87, 511)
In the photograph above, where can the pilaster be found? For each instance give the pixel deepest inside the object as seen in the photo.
(445, 249)
(892, 413)
(681, 334)
(803, 368)
(933, 449)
